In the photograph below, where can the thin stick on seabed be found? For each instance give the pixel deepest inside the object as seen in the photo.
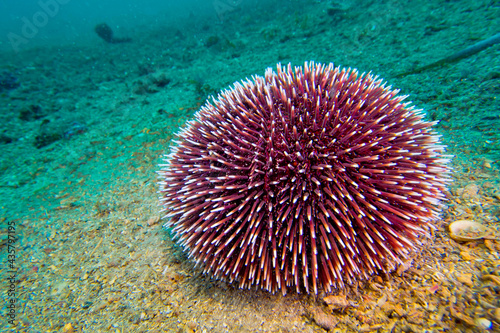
(478, 47)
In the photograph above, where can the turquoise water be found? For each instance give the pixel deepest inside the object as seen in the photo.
(85, 119)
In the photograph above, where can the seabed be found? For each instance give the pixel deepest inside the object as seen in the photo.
(82, 134)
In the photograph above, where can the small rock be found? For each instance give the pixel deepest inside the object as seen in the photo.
(461, 316)
(68, 328)
(336, 302)
(191, 325)
(404, 267)
(432, 289)
(153, 220)
(496, 315)
(324, 320)
(470, 191)
(483, 323)
(489, 245)
(487, 164)
(466, 255)
(465, 279)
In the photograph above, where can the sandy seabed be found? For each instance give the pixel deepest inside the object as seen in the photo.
(82, 135)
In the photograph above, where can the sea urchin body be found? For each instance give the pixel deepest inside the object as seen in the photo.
(310, 177)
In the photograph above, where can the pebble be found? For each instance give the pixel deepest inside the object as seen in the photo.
(191, 325)
(489, 245)
(470, 191)
(487, 164)
(153, 220)
(465, 278)
(336, 302)
(466, 255)
(324, 320)
(496, 314)
(483, 323)
(68, 328)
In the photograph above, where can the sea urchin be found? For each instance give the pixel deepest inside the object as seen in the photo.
(311, 178)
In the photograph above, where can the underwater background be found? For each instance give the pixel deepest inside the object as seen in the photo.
(91, 94)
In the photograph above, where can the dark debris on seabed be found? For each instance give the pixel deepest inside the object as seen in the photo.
(8, 81)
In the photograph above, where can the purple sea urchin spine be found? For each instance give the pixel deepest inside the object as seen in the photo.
(310, 177)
